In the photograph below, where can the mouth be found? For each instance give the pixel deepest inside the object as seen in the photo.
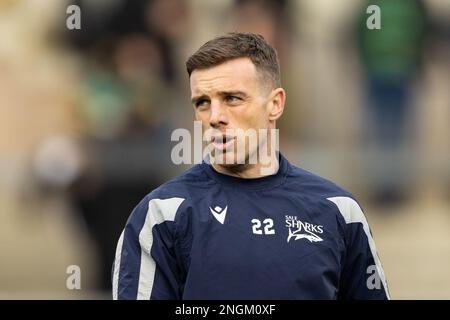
(223, 142)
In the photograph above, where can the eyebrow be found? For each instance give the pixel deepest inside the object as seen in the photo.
(220, 93)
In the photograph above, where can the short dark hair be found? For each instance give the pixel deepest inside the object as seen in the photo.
(237, 45)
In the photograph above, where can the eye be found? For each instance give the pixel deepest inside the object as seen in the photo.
(201, 103)
(232, 99)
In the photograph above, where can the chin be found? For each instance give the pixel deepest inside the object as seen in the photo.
(234, 161)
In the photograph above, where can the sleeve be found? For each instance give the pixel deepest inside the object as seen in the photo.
(145, 266)
(362, 275)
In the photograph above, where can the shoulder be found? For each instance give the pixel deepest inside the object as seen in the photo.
(165, 201)
(313, 184)
(192, 181)
(334, 204)
(326, 194)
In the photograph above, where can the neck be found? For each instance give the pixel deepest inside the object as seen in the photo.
(250, 171)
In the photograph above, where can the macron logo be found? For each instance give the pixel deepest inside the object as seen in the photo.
(219, 213)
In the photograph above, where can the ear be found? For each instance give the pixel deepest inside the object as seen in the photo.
(276, 103)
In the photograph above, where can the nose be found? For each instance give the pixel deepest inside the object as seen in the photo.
(218, 115)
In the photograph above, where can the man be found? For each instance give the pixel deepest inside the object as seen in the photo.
(242, 229)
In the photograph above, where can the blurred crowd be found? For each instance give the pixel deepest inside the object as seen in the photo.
(86, 115)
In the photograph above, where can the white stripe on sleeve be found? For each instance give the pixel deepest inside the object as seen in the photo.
(159, 210)
(115, 283)
(352, 213)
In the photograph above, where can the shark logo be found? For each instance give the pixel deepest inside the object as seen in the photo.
(219, 213)
(298, 235)
(303, 230)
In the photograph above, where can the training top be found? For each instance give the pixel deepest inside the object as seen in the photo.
(206, 235)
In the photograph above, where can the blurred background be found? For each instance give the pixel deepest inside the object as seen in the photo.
(86, 117)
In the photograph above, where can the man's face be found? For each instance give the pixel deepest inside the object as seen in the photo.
(231, 96)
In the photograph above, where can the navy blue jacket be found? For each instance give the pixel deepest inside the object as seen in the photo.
(205, 235)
